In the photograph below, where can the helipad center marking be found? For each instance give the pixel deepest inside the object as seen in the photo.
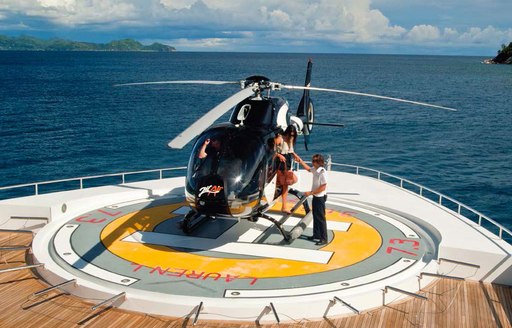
(207, 244)
(398, 266)
(240, 248)
(62, 243)
(224, 245)
(136, 201)
(360, 242)
(254, 233)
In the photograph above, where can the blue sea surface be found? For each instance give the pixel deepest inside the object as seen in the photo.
(61, 117)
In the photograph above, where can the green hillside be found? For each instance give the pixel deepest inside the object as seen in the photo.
(34, 44)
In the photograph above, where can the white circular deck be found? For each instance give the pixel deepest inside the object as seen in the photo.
(236, 269)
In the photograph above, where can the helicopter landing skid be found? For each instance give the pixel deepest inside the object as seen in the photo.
(290, 236)
(278, 224)
(191, 221)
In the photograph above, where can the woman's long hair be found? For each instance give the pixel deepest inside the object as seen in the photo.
(291, 134)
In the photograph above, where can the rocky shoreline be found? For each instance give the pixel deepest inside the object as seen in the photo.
(504, 56)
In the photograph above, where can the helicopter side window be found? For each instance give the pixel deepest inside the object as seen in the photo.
(240, 160)
(243, 112)
(206, 155)
(210, 147)
(235, 162)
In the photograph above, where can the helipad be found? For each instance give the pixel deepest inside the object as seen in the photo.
(141, 245)
(125, 240)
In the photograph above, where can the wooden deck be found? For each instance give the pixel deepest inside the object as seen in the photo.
(450, 303)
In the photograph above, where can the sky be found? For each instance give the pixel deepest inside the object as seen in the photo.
(437, 27)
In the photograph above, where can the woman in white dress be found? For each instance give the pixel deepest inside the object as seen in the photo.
(287, 155)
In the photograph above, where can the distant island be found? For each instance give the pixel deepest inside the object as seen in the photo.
(504, 55)
(29, 43)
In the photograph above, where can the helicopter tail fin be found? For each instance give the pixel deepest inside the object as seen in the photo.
(305, 111)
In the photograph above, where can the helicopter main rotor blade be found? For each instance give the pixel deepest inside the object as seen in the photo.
(204, 122)
(179, 82)
(294, 87)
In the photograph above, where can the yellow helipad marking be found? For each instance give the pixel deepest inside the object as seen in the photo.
(353, 246)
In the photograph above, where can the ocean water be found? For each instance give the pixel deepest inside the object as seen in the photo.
(61, 117)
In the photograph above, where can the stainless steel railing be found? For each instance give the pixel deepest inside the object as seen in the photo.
(440, 198)
(359, 170)
(81, 180)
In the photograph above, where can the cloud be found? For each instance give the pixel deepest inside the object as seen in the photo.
(473, 35)
(227, 24)
(70, 13)
(478, 35)
(177, 4)
(422, 33)
(201, 44)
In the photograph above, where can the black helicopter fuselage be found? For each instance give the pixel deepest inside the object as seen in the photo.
(231, 168)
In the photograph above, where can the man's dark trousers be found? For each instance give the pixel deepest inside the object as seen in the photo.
(319, 222)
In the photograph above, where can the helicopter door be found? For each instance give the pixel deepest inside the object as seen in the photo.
(270, 190)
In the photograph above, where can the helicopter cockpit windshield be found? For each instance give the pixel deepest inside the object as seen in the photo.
(227, 161)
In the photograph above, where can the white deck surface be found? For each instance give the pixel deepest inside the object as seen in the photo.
(457, 238)
(460, 239)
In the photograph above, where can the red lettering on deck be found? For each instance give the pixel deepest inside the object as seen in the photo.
(217, 276)
(159, 269)
(190, 274)
(178, 274)
(110, 214)
(92, 220)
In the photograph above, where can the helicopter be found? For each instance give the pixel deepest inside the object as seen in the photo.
(231, 171)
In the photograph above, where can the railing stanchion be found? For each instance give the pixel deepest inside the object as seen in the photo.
(110, 300)
(46, 290)
(275, 313)
(337, 299)
(22, 268)
(13, 248)
(459, 262)
(437, 275)
(403, 292)
(199, 307)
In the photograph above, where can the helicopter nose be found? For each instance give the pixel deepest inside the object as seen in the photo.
(211, 197)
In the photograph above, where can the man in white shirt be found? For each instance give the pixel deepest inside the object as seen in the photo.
(319, 192)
